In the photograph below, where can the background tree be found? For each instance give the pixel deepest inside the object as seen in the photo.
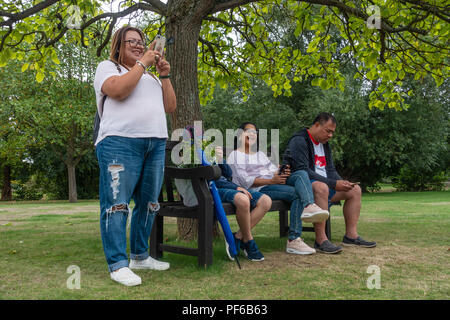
(57, 113)
(370, 144)
(13, 144)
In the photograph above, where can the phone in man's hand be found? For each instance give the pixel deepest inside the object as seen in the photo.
(282, 168)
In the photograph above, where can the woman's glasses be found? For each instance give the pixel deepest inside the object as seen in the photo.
(251, 131)
(135, 43)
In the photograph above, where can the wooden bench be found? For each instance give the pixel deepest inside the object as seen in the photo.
(203, 212)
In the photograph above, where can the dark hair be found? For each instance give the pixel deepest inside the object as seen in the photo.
(117, 43)
(324, 117)
(242, 127)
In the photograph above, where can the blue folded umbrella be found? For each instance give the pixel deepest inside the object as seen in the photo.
(218, 208)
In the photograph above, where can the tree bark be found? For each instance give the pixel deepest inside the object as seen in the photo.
(183, 24)
(6, 189)
(183, 27)
(73, 196)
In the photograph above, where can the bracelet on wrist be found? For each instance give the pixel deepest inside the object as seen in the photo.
(141, 64)
(165, 77)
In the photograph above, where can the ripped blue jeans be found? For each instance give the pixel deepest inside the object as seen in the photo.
(129, 168)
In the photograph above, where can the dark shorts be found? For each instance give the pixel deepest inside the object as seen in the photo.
(227, 195)
(331, 191)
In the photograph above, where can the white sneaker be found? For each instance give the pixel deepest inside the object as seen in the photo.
(313, 213)
(297, 246)
(149, 263)
(126, 277)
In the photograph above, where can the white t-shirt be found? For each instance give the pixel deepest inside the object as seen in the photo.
(247, 167)
(320, 161)
(140, 115)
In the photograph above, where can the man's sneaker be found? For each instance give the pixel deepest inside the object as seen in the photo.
(297, 246)
(251, 251)
(313, 213)
(327, 247)
(126, 277)
(358, 242)
(149, 263)
(237, 243)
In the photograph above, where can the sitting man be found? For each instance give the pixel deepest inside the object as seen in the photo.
(309, 150)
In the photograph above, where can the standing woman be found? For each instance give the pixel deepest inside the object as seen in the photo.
(130, 148)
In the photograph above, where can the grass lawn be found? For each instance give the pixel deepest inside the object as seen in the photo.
(40, 240)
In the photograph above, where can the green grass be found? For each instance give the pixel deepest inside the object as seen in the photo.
(40, 240)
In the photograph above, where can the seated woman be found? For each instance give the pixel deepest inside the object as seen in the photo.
(251, 206)
(253, 170)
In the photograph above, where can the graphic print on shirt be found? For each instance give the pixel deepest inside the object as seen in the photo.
(320, 162)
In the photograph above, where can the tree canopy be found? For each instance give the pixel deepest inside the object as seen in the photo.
(232, 41)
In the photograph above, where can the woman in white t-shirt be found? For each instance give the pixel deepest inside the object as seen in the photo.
(130, 149)
(253, 170)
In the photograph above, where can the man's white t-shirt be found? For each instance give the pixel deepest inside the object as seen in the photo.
(320, 161)
(140, 115)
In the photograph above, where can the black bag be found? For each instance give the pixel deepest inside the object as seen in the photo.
(97, 122)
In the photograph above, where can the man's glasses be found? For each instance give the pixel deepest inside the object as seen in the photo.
(135, 43)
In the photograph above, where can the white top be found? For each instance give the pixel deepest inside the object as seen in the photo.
(247, 167)
(320, 161)
(140, 115)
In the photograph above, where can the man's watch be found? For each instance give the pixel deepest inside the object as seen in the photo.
(165, 77)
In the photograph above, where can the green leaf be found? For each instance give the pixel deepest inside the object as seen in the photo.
(315, 82)
(25, 67)
(287, 85)
(39, 76)
(54, 58)
(371, 59)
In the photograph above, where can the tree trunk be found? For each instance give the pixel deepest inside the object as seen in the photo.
(6, 189)
(73, 197)
(183, 24)
(184, 28)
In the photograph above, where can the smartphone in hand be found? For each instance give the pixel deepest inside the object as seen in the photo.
(282, 168)
(160, 42)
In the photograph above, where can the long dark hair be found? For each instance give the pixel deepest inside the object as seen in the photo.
(241, 129)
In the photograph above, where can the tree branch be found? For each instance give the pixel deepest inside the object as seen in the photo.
(13, 17)
(158, 6)
(223, 6)
(213, 53)
(360, 14)
(441, 12)
(108, 36)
